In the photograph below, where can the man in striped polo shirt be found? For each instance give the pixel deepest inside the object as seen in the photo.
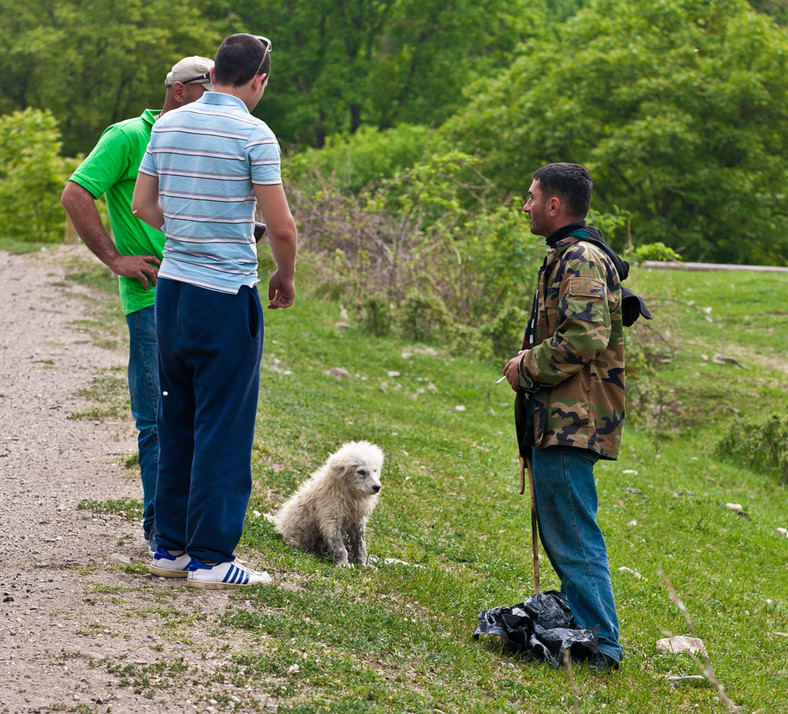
(205, 168)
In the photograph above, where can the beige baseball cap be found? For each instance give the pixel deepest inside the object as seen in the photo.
(191, 70)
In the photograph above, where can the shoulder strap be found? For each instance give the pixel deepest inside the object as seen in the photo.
(632, 305)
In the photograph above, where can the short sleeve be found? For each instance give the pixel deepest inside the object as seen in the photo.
(264, 157)
(148, 165)
(106, 165)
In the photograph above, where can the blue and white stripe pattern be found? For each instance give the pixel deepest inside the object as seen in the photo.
(206, 156)
(234, 574)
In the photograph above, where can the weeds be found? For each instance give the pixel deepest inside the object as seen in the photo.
(759, 443)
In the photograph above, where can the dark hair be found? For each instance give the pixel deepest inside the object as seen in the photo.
(570, 182)
(238, 60)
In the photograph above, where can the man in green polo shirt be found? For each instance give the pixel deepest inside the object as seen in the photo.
(135, 253)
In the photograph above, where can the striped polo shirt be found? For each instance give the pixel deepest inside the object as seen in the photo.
(206, 156)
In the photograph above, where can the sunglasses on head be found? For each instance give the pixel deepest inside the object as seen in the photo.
(268, 47)
(199, 78)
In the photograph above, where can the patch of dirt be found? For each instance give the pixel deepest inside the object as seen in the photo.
(85, 628)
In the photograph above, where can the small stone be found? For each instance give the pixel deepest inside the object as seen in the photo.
(681, 643)
(119, 558)
(459, 408)
(338, 372)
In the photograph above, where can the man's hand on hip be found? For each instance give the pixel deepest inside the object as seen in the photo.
(143, 267)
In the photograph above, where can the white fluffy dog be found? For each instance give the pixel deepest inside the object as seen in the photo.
(329, 511)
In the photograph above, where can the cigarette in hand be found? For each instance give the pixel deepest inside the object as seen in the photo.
(501, 379)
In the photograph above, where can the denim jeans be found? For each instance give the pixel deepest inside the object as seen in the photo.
(566, 504)
(144, 394)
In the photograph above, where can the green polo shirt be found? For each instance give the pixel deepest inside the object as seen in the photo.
(112, 168)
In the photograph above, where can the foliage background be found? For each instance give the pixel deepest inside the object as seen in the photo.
(678, 106)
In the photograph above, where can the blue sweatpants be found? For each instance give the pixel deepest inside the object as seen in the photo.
(210, 348)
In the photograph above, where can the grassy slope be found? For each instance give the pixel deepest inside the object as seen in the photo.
(398, 638)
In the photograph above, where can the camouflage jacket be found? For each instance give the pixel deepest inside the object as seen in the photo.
(575, 371)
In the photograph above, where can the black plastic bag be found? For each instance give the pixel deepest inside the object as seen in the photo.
(542, 626)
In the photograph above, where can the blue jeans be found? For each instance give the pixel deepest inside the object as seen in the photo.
(144, 394)
(566, 504)
(210, 347)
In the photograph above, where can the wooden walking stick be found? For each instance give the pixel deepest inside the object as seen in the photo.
(526, 464)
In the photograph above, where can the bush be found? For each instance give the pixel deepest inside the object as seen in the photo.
(760, 443)
(427, 231)
(32, 176)
(505, 332)
(654, 251)
(424, 317)
(362, 160)
(376, 315)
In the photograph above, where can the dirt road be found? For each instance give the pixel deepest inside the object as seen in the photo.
(84, 627)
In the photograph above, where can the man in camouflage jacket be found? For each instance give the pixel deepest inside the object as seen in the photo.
(569, 379)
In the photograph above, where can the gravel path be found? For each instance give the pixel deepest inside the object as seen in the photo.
(84, 627)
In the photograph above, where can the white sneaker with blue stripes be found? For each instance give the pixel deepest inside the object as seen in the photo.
(169, 565)
(231, 574)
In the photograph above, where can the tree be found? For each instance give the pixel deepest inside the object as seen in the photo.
(95, 62)
(678, 107)
(32, 174)
(342, 64)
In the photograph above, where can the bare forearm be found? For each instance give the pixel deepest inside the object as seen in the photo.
(81, 208)
(145, 204)
(152, 215)
(284, 246)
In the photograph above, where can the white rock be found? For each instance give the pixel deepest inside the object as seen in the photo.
(735, 507)
(459, 408)
(630, 471)
(633, 522)
(393, 374)
(338, 372)
(783, 532)
(681, 643)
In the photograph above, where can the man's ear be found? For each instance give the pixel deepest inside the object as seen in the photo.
(553, 206)
(178, 91)
(258, 80)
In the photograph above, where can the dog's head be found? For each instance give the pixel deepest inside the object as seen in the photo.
(360, 462)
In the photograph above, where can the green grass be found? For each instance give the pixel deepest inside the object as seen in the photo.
(397, 637)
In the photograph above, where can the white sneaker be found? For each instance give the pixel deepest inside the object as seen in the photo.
(168, 565)
(231, 574)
